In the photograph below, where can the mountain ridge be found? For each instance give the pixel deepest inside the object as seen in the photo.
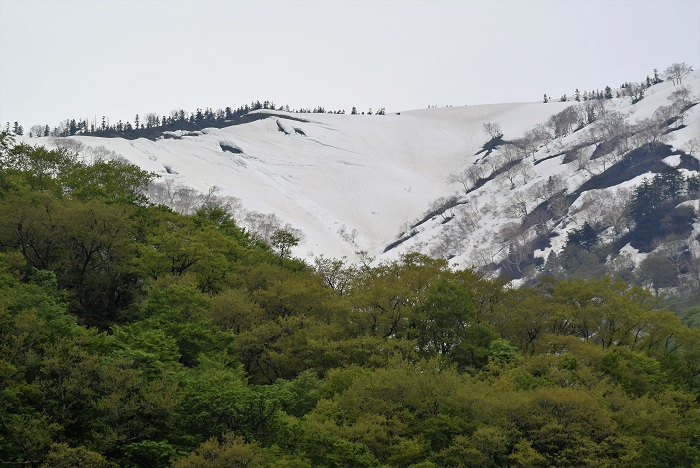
(361, 182)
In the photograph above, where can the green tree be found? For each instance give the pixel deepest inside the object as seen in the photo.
(657, 453)
(283, 241)
(586, 237)
(651, 205)
(446, 324)
(174, 246)
(444, 316)
(384, 298)
(657, 271)
(226, 451)
(113, 181)
(36, 165)
(502, 350)
(671, 183)
(64, 456)
(388, 409)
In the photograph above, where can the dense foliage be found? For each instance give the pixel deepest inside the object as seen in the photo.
(135, 336)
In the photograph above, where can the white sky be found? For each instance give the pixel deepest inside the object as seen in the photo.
(83, 59)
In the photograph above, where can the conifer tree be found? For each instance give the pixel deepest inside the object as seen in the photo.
(644, 209)
(670, 183)
(585, 237)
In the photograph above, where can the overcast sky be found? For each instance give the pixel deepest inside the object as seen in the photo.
(64, 59)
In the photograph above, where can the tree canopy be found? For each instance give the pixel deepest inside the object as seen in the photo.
(131, 335)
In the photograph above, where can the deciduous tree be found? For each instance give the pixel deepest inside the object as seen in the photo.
(677, 71)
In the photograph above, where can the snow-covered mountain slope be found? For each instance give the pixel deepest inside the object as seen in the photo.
(497, 206)
(362, 182)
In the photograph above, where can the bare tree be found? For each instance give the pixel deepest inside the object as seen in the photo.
(556, 184)
(542, 135)
(609, 158)
(262, 226)
(621, 266)
(677, 71)
(692, 146)
(446, 244)
(468, 176)
(676, 252)
(493, 129)
(466, 219)
(581, 158)
(519, 249)
(68, 144)
(606, 208)
(485, 256)
(563, 123)
(663, 114)
(694, 261)
(510, 175)
(36, 131)
(611, 126)
(510, 152)
(681, 99)
(186, 199)
(444, 206)
(545, 189)
(558, 205)
(538, 191)
(93, 154)
(518, 206)
(539, 219)
(680, 96)
(617, 213)
(461, 178)
(495, 162)
(508, 232)
(635, 91)
(601, 106)
(475, 173)
(586, 112)
(526, 171)
(169, 187)
(651, 131)
(528, 144)
(175, 195)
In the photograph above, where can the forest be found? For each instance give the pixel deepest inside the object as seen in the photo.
(135, 336)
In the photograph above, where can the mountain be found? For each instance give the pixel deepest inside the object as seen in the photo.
(433, 180)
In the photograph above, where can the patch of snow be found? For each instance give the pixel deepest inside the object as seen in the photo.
(673, 160)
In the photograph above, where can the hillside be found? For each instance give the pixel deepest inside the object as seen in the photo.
(133, 334)
(379, 183)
